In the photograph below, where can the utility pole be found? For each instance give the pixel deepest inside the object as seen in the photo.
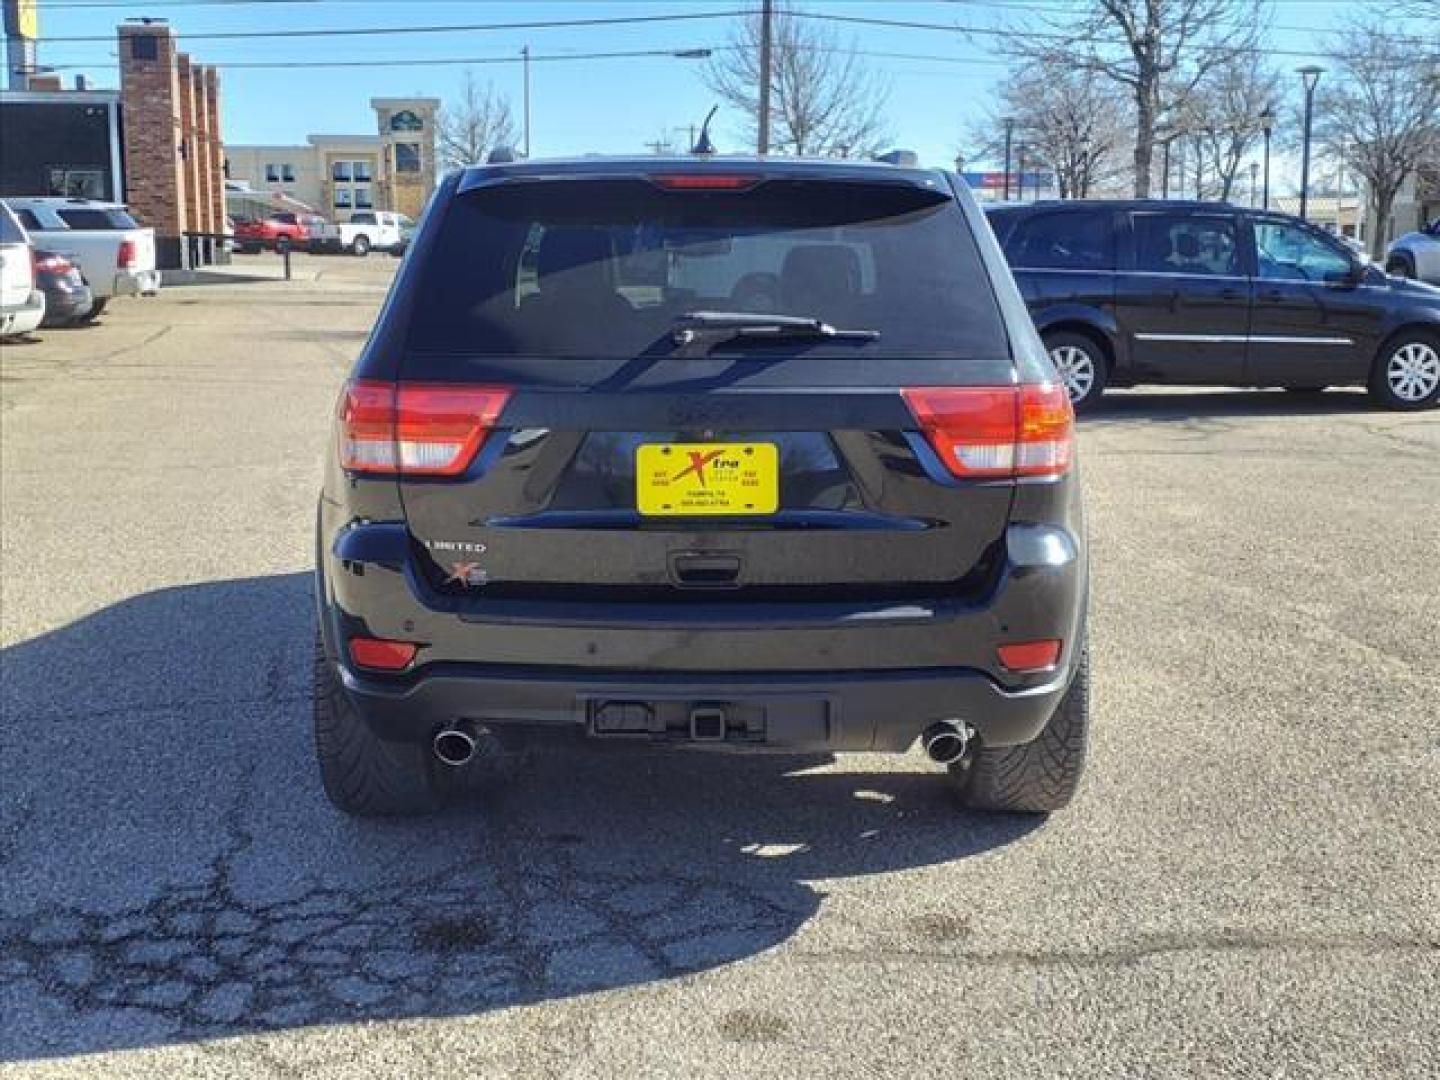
(525, 54)
(767, 36)
(1310, 75)
(1009, 133)
(1267, 125)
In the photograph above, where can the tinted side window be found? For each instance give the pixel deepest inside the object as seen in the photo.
(28, 219)
(362, 219)
(284, 219)
(1067, 240)
(1186, 244)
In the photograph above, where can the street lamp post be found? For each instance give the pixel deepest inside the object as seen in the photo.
(1254, 171)
(1009, 133)
(1165, 169)
(1267, 125)
(1020, 174)
(1309, 75)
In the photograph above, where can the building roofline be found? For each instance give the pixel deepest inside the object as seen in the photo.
(60, 97)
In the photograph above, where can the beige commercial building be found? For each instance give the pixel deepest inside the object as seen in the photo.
(336, 175)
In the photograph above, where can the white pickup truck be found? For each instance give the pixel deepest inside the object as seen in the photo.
(115, 255)
(22, 305)
(369, 230)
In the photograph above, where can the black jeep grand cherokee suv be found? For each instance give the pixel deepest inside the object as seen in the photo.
(746, 454)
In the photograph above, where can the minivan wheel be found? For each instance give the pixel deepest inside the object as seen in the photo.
(1081, 364)
(363, 774)
(1407, 372)
(1040, 776)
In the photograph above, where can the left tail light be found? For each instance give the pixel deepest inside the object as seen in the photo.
(997, 432)
(418, 429)
(54, 264)
(128, 255)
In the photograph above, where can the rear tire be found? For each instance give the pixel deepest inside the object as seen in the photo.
(360, 246)
(362, 774)
(1082, 366)
(1401, 268)
(1040, 776)
(1406, 376)
(97, 308)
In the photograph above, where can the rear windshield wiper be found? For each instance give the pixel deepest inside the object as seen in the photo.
(759, 326)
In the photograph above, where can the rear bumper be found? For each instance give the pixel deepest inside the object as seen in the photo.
(134, 283)
(833, 676)
(832, 711)
(25, 317)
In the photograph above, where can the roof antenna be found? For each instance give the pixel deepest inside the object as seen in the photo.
(703, 145)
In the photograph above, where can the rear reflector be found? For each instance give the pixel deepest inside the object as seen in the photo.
(419, 429)
(705, 181)
(996, 432)
(127, 255)
(1023, 656)
(382, 655)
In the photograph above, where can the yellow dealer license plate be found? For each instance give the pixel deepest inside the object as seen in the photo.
(707, 478)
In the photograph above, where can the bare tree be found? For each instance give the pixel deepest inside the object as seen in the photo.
(1222, 113)
(1381, 113)
(1074, 122)
(1158, 49)
(479, 120)
(824, 100)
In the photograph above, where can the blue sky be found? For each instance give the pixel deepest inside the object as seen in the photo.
(613, 105)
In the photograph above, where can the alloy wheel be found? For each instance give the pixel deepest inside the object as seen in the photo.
(1077, 368)
(1413, 371)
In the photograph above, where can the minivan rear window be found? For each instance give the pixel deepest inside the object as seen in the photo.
(603, 267)
(93, 218)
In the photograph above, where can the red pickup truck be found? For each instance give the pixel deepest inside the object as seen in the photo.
(280, 231)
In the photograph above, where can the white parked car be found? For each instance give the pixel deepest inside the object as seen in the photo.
(116, 256)
(22, 305)
(1416, 255)
(370, 230)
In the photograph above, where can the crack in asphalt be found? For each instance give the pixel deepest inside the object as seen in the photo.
(202, 960)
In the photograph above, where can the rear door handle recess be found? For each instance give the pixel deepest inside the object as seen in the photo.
(705, 570)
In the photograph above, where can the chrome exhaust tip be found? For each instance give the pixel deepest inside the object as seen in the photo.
(455, 746)
(946, 741)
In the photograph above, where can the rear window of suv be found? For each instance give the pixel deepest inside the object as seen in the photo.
(93, 218)
(603, 267)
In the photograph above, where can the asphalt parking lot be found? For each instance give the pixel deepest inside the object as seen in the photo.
(1247, 886)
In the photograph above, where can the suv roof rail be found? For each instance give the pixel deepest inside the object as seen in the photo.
(907, 159)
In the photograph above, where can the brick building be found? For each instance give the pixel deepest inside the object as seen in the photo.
(174, 172)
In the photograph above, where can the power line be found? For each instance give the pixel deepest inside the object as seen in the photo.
(454, 28)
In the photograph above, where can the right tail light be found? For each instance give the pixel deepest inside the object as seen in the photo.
(128, 256)
(997, 432)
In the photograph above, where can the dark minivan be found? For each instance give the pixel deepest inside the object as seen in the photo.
(746, 454)
(1125, 293)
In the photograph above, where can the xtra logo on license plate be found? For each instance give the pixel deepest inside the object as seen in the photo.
(707, 478)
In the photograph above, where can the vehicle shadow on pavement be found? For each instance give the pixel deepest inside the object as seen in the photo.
(172, 871)
(1203, 404)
